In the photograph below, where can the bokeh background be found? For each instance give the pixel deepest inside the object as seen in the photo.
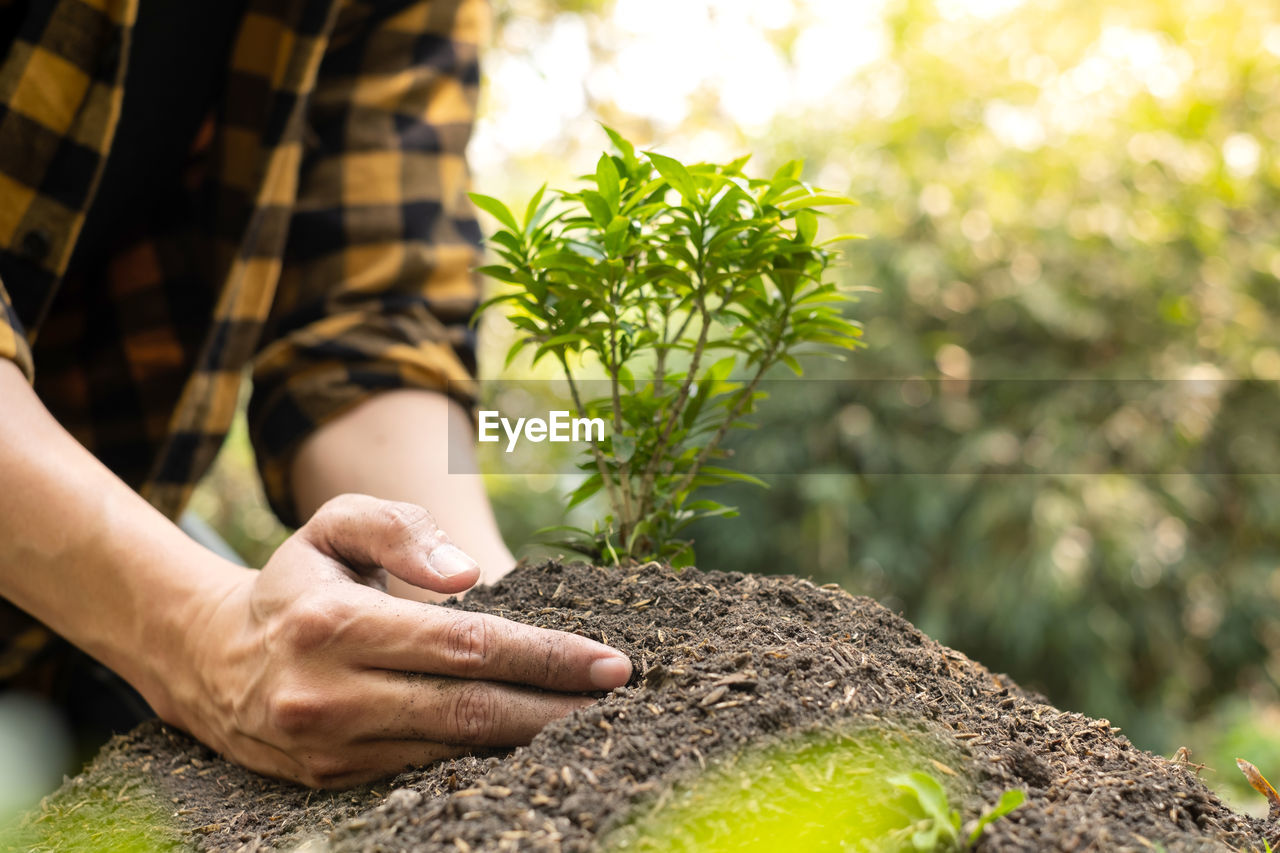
(1064, 196)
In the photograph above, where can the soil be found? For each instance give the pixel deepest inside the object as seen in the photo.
(722, 661)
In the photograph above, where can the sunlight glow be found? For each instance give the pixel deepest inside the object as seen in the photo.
(758, 61)
(659, 59)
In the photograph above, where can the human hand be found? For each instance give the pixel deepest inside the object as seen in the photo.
(302, 670)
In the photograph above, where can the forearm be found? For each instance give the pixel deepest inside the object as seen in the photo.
(397, 446)
(83, 553)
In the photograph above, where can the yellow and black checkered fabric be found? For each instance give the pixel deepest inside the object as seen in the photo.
(320, 238)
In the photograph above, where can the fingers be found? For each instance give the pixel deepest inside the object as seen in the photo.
(381, 721)
(365, 534)
(366, 629)
(458, 712)
(350, 764)
(367, 762)
(412, 637)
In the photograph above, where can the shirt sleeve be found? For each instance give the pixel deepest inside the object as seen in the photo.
(13, 337)
(377, 289)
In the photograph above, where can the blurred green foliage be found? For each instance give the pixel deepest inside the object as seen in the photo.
(232, 501)
(130, 819)
(1238, 728)
(1057, 193)
(1065, 192)
(853, 791)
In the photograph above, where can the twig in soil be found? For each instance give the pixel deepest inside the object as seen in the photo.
(1182, 757)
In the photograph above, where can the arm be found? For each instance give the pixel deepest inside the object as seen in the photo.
(295, 670)
(369, 329)
(69, 524)
(412, 446)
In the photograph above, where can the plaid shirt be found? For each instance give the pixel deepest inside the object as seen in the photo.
(321, 237)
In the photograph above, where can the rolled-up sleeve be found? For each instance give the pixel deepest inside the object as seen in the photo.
(13, 337)
(377, 289)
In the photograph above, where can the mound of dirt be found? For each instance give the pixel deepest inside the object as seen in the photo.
(722, 661)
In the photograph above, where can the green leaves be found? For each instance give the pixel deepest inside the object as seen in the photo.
(609, 182)
(677, 175)
(1009, 801)
(808, 202)
(599, 208)
(616, 276)
(625, 148)
(939, 826)
(496, 209)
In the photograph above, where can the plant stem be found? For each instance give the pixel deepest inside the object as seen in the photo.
(711, 446)
(628, 518)
(660, 365)
(601, 465)
(677, 409)
(682, 398)
(683, 326)
(743, 397)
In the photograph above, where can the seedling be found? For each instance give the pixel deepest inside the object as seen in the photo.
(685, 285)
(939, 826)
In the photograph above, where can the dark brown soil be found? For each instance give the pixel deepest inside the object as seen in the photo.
(722, 661)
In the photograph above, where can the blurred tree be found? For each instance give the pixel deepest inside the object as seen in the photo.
(1072, 196)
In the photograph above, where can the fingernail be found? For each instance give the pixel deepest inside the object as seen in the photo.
(608, 673)
(450, 561)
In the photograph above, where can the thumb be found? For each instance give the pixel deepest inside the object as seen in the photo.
(366, 534)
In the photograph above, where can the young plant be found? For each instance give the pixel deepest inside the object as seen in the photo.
(686, 285)
(938, 829)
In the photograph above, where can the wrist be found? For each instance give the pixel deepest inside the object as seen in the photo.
(162, 656)
(92, 560)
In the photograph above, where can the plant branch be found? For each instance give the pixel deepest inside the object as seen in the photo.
(682, 398)
(628, 516)
(601, 465)
(660, 365)
(735, 411)
(677, 409)
(711, 446)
